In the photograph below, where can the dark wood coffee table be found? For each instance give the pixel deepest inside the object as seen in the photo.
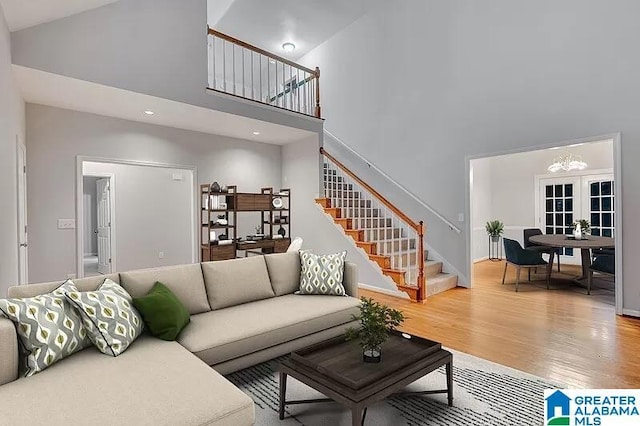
(335, 369)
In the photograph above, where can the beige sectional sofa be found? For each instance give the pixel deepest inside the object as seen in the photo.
(242, 312)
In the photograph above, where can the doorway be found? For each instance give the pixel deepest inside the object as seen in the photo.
(98, 206)
(529, 189)
(142, 215)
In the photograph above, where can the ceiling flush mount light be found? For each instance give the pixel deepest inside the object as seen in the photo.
(567, 162)
(256, 133)
(288, 47)
(149, 112)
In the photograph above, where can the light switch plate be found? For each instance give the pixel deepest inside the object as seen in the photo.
(177, 176)
(66, 224)
(460, 217)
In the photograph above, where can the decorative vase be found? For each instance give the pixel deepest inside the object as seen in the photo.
(281, 231)
(372, 355)
(215, 187)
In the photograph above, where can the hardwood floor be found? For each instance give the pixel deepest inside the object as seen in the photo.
(561, 334)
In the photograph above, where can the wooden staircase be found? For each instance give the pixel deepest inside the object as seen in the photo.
(438, 280)
(393, 241)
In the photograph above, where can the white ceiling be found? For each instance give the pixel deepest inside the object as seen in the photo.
(22, 14)
(44, 88)
(268, 24)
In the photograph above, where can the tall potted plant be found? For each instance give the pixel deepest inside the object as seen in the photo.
(494, 229)
(376, 322)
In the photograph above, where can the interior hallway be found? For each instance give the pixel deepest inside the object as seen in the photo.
(561, 334)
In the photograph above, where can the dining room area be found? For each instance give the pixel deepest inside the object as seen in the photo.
(545, 221)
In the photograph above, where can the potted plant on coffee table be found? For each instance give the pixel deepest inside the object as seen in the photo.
(377, 321)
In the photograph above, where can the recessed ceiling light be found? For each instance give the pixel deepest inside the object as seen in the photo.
(256, 133)
(149, 112)
(288, 47)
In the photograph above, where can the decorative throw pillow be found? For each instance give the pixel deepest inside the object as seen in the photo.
(322, 274)
(164, 314)
(109, 317)
(48, 328)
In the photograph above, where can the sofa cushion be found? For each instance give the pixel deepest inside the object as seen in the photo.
(322, 274)
(163, 313)
(109, 317)
(185, 281)
(153, 383)
(224, 334)
(284, 272)
(237, 281)
(47, 326)
(82, 284)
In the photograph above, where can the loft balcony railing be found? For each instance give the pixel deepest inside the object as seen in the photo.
(240, 69)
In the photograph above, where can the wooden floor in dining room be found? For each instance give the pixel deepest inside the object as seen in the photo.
(560, 334)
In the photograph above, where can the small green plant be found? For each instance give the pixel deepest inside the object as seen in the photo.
(585, 226)
(494, 228)
(376, 322)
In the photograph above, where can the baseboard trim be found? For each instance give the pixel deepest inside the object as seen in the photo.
(389, 292)
(631, 312)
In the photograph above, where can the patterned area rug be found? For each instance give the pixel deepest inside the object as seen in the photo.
(485, 394)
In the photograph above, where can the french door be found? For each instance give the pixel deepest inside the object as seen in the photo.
(564, 200)
(560, 207)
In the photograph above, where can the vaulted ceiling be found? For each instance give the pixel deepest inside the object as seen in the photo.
(269, 24)
(22, 14)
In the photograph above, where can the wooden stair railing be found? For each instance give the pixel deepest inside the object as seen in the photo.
(240, 69)
(389, 237)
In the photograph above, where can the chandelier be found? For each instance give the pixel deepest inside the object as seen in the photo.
(567, 162)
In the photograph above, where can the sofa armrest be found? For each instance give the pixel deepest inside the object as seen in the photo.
(350, 280)
(8, 352)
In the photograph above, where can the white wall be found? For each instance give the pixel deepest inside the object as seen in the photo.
(57, 136)
(11, 124)
(90, 208)
(300, 173)
(155, 47)
(481, 206)
(152, 212)
(485, 78)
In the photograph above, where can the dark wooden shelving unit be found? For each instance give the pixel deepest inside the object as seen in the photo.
(239, 202)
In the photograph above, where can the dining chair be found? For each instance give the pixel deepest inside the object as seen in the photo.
(603, 263)
(521, 258)
(528, 245)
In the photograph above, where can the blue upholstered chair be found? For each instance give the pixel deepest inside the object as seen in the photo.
(521, 258)
(528, 245)
(604, 263)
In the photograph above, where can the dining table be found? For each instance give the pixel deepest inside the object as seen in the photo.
(585, 244)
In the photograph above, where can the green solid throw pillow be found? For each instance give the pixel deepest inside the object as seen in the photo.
(162, 312)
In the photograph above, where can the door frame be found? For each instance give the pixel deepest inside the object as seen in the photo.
(80, 160)
(22, 174)
(617, 175)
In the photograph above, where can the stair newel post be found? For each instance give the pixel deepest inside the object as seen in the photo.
(318, 112)
(422, 285)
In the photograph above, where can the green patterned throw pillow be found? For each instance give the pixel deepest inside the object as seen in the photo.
(48, 328)
(322, 274)
(109, 317)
